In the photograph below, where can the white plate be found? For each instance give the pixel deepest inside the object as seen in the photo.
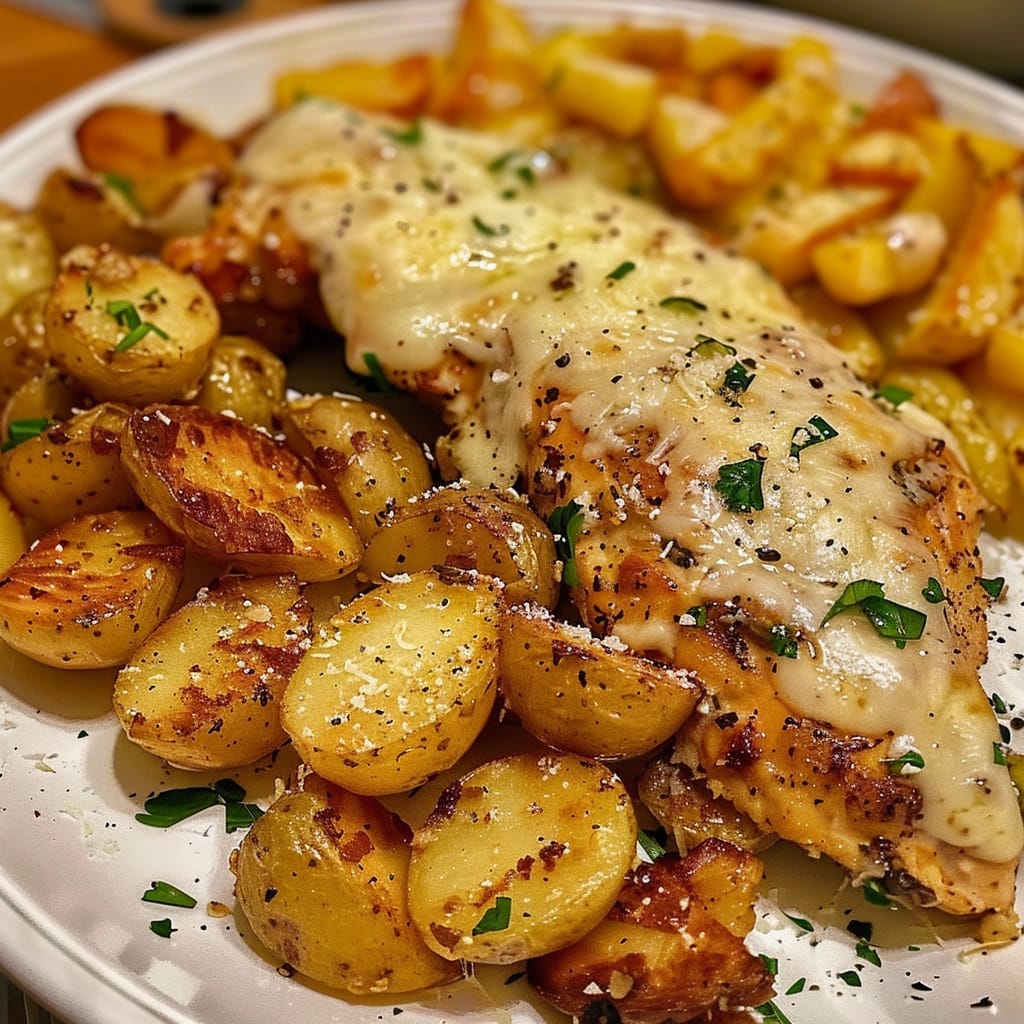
(74, 863)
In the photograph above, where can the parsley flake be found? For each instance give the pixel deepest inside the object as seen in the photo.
(784, 641)
(868, 953)
(999, 754)
(993, 587)
(814, 432)
(411, 136)
(739, 484)
(124, 187)
(566, 522)
(933, 592)
(624, 268)
(23, 430)
(708, 347)
(875, 894)
(737, 379)
(489, 229)
(175, 805)
(801, 922)
(852, 978)
(771, 1014)
(377, 372)
(797, 987)
(894, 395)
(893, 621)
(906, 764)
(683, 304)
(169, 895)
(650, 845)
(162, 928)
(496, 918)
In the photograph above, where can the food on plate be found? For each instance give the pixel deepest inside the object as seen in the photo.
(701, 534)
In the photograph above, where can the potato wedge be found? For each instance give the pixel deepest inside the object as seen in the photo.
(24, 351)
(591, 696)
(244, 378)
(671, 949)
(686, 808)
(28, 260)
(205, 689)
(397, 87)
(77, 209)
(13, 541)
(91, 590)
(70, 467)
(235, 494)
(321, 878)
(400, 683)
(521, 856)
(361, 451)
(130, 328)
(490, 531)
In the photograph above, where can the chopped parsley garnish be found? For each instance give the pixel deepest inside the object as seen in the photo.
(801, 922)
(411, 136)
(905, 764)
(814, 432)
(894, 395)
(650, 844)
(868, 953)
(893, 621)
(162, 928)
(376, 372)
(708, 347)
(993, 587)
(739, 484)
(125, 313)
(489, 229)
(699, 614)
(771, 1014)
(737, 379)
(852, 978)
(933, 592)
(495, 918)
(771, 963)
(683, 304)
(624, 268)
(23, 430)
(797, 987)
(566, 522)
(175, 805)
(517, 162)
(875, 893)
(999, 753)
(999, 705)
(124, 187)
(784, 641)
(169, 895)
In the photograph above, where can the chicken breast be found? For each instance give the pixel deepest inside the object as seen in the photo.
(751, 509)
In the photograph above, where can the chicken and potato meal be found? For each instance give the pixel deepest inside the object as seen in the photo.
(729, 369)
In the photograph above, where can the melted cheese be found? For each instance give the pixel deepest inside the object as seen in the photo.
(448, 246)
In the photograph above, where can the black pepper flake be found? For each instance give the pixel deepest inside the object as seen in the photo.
(565, 278)
(768, 554)
(920, 986)
(816, 382)
(563, 360)
(551, 396)
(728, 720)
(982, 1004)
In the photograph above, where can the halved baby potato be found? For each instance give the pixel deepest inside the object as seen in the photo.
(596, 697)
(70, 467)
(671, 949)
(244, 378)
(321, 878)
(487, 530)
(361, 451)
(237, 495)
(205, 689)
(12, 533)
(399, 684)
(47, 397)
(91, 590)
(520, 857)
(129, 327)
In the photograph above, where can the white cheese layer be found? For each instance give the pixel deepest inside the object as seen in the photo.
(442, 242)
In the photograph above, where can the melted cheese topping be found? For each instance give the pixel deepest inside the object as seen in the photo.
(449, 244)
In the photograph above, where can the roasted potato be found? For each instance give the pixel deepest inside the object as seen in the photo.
(91, 590)
(594, 697)
(235, 494)
(486, 530)
(204, 690)
(244, 378)
(79, 209)
(399, 684)
(49, 396)
(671, 949)
(321, 878)
(130, 328)
(70, 467)
(361, 451)
(24, 352)
(686, 808)
(521, 856)
(28, 261)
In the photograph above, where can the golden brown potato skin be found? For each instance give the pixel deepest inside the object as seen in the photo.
(204, 690)
(91, 590)
(671, 949)
(236, 495)
(321, 878)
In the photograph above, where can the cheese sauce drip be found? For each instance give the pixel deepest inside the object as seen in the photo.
(433, 242)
